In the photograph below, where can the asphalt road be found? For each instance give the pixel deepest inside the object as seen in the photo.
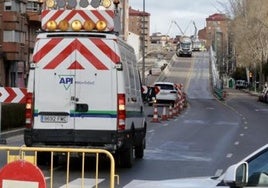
(207, 137)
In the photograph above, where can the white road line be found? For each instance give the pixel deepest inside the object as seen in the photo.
(229, 155)
(88, 182)
(236, 143)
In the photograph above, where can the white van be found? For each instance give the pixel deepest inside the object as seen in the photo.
(84, 90)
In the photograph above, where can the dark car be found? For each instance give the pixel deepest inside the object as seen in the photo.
(263, 97)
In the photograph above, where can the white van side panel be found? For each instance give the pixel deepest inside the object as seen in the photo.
(134, 103)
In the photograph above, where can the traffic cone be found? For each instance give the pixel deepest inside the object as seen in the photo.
(170, 113)
(164, 114)
(174, 112)
(177, 110)
(155, 115)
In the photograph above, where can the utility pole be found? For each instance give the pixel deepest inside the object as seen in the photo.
(143, 43)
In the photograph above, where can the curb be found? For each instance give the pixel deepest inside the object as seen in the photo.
(15, 132)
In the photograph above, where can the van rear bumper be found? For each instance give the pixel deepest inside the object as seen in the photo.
(110, 140)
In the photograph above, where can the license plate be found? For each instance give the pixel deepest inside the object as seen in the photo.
(54, 119)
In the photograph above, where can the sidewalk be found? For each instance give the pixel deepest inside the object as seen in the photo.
(253, 93)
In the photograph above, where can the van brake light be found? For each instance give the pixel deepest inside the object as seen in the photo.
(29, 110)
(121, 112)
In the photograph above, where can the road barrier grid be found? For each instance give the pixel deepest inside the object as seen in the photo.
(29, 154)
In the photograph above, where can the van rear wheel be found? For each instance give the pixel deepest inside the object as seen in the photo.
(139, 150)
(126, 157)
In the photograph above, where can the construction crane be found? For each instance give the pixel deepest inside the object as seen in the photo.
(195, 31)
(178, 27)
(196, 42)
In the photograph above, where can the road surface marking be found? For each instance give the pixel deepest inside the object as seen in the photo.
(229, 155)
(88, 182)
(236, 143)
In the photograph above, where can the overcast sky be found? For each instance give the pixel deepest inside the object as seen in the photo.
(184, 12)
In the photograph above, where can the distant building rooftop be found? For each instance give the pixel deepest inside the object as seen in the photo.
(216, 17)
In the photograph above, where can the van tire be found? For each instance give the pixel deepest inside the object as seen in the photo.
(139, 150)
(126, 157)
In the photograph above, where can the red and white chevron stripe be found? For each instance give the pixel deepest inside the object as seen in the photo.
(82, 15)
(99, 53)
(12, 95)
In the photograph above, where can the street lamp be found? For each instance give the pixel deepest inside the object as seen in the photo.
(143, 43)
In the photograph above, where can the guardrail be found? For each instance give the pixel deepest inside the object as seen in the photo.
(29, 154)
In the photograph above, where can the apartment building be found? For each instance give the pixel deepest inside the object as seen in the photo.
(217, 30)
(139, 23)
(19, 20)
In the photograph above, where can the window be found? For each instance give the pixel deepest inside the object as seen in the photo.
(14, 36)
(13, 5)
(258, 169)
(7, 6)
(33, 6)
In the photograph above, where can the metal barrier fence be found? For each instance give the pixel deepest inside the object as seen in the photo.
(30, 154)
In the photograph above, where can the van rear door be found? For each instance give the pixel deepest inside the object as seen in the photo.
(76, 83)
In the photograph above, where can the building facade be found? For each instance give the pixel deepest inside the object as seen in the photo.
(139, 23)
(19, 20)
(217, 30)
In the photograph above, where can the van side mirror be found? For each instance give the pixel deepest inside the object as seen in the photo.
(236, 175)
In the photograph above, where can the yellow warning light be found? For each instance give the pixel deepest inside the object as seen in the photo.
(106, 3)
(63, 25)
(101, 25)
(89, 25)
(50, 3)
(51, 25)
(76, 25)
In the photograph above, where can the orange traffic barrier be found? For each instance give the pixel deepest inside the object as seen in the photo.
(174, 112)
(155, 115)
(170, 113)
(164, 114)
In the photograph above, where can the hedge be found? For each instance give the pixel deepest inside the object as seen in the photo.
(13, 116)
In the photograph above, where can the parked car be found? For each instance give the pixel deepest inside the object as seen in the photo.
(158, 67)
(156, 70)
(263, 97)
(167, 92)
(241, 84)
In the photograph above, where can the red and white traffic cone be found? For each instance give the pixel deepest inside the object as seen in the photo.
(177, 108)
(155, 115)
(170, 113)
(164, 114)
(174, 109)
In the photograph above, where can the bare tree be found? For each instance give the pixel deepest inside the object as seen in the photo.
(250, 28)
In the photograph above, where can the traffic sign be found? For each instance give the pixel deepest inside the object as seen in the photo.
(22, 174)
(156, 89)
(144, 89)
(13, 95)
